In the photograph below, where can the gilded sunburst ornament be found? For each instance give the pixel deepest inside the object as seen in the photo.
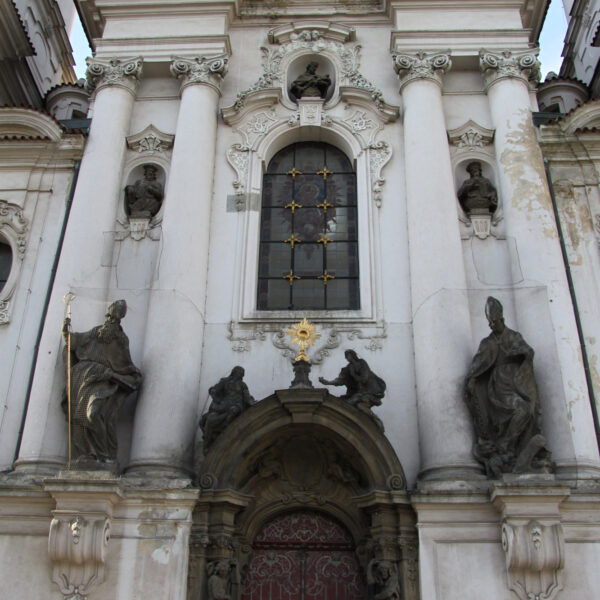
(303, 334)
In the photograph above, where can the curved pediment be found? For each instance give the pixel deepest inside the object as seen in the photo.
(29, 124)
(365, 458)
(586, 116)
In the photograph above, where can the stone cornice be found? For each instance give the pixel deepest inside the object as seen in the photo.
(421, 65)
(114, 71)
(522, 64)
(200, 70)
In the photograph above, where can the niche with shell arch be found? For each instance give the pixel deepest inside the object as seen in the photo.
(297, 67)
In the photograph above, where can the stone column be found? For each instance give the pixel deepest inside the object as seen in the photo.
(441, 321)
(82, 268)
(166, 414)
(527, 209)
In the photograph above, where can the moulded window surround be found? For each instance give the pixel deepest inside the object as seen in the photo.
(249, 224)
(308, 242)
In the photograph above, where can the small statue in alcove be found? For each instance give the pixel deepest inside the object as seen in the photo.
(477, 195)
(384, 576)
(309, 84)
(145, 196)
(230, 398)
(364, 389)
(501, 393)
(219, 579)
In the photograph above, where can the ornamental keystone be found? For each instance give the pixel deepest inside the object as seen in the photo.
(200, 69)
(421, 65)
(522, 65)
(113, 71)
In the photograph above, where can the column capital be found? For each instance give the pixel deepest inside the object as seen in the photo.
(421, 65)
(113, 71)
(520, 64)
(200, 69)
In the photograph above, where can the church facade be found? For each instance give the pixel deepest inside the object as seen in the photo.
(371, 167)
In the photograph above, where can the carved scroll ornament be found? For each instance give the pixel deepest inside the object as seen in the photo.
(102, 72)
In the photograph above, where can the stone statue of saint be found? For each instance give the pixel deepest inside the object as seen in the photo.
(145, 196)
(384, 576)
(309, 84)
(230, 398)
(364, 389)
(502, 395)
(219, 580)
(477, 194)
(102, 376)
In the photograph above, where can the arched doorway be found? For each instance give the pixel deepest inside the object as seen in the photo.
(303, 555)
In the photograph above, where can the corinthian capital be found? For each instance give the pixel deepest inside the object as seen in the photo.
(113, 71)
(521, 64)
(205, 70)
(421, 65)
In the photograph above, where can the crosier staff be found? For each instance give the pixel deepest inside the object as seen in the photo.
(67, 299)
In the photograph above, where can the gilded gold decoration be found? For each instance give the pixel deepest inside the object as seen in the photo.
(303, 334)
(294, 172)
(325, 205)
(324, 240)
(293, 205)
(325, 277)
(293, 240)
(325, 171)
(290, 277)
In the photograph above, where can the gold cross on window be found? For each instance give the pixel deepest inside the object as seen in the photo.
(324, 240)
(290, 277)
(293, 240)
(293, 205)
(325, 277)
(325, 205)
(294, 172)
(325, 171)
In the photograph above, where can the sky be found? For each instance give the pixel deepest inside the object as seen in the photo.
(551, 41)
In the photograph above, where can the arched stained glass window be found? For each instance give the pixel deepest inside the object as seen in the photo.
(309, 234)
(5, 263)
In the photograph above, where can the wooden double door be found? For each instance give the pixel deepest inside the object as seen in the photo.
(304, 556)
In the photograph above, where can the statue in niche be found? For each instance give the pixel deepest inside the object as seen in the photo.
(219, 579)
(384, 576)
(501, 394)
(230, 398)
(364, 389)
(145, 196)
(477, 195)
(102, 376)
(309, 84)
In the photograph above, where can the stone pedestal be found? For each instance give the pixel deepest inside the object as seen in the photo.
(532, 534)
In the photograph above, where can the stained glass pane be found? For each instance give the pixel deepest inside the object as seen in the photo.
(5, 263)
(310, 157)
(273, 294)
(308, 260)
(342, 259)
(341, 190)
(275, 224)
(278, 190)
(283, 161)
(343, 225)
(308, 294)
(275, 260)
(308, 224)
(309, 190)
(342, 294)
(337, 161)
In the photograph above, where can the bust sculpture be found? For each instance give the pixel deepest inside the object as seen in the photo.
(230, 397)
(102, 376)
(384, 576)
(477, 194)
(219, 580)
(309, 84)
(145, 196)
(364, 389)
(502, 396)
